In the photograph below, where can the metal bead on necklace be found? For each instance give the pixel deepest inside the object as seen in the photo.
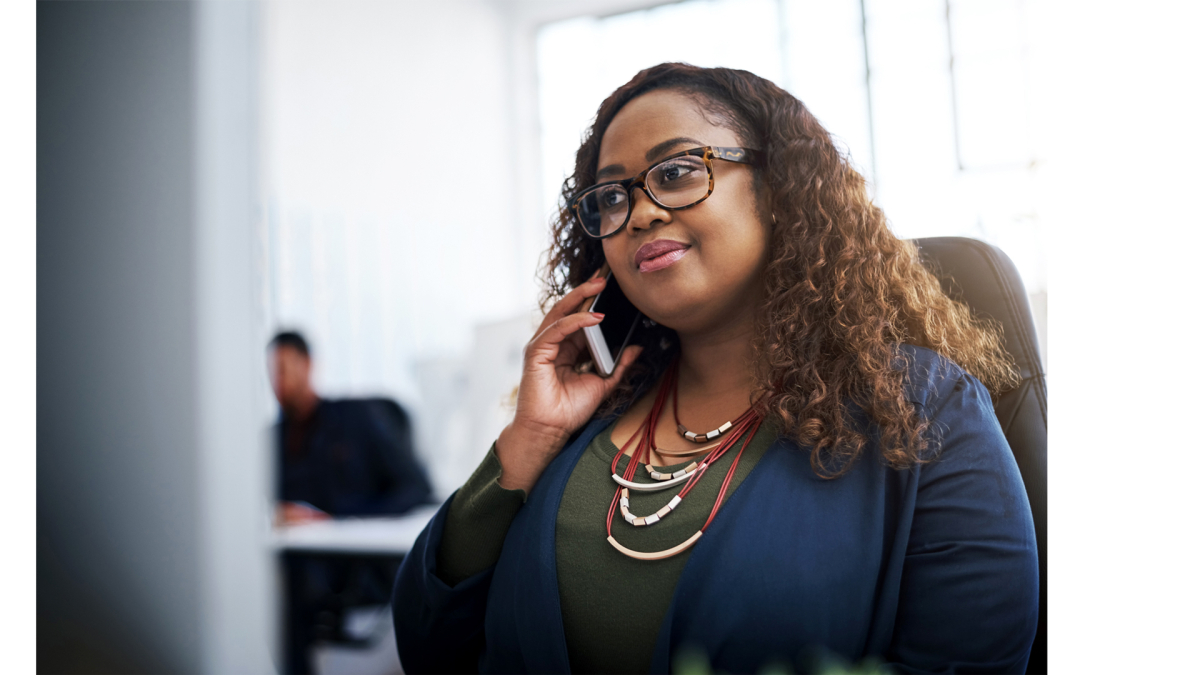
(702, 438)
(692, 436)
(665, 480)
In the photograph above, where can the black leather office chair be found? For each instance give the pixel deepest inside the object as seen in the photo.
(981, 276)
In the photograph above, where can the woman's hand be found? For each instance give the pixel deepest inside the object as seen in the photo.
(554, 400)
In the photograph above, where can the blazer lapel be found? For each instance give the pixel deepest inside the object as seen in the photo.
(526, 579)
(698, 568)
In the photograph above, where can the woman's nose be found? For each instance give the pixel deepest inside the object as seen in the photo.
(644, 213)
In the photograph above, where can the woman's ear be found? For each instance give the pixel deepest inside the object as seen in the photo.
(765, 202)
(766, 212)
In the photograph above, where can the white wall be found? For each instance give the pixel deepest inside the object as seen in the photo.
(393, 197)
(390, 186)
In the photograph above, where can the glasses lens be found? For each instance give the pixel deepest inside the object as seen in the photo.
(679, 181)
(602, 209)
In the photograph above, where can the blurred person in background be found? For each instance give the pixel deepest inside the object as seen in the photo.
(349, 457)
(346, 457)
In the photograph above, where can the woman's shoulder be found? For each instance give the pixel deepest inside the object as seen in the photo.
(931, 377)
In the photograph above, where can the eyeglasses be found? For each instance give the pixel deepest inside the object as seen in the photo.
(677, 182)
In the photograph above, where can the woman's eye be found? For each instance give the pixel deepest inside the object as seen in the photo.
(676, 170)
(611, 198)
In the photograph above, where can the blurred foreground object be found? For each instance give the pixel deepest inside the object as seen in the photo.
(152, 484)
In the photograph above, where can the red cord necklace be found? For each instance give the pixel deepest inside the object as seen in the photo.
(746, 425)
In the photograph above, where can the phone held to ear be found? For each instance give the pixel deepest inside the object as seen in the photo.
(608, 340)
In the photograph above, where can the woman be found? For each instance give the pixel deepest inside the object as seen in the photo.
(856, 497)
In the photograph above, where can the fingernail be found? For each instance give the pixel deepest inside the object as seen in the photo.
(598, 315)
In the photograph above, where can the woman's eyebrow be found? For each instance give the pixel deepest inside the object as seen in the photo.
(661, 148)
(651, 155)
(610, 170)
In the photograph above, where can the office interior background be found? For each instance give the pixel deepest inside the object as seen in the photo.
(381, 175)
(366, 162)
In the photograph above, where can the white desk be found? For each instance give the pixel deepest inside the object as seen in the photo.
(372, 536)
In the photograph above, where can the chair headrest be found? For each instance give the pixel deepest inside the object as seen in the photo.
(984, 278)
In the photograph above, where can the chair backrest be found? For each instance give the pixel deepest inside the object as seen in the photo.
(392, 412)
(984, 278)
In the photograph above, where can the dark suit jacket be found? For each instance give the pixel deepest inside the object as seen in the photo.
(930, 569)
(357, 459)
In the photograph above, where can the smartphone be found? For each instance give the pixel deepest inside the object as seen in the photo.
(607, 340)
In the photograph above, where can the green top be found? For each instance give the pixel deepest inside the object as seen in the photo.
(612, 605)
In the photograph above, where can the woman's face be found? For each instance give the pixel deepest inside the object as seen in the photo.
(712, 274)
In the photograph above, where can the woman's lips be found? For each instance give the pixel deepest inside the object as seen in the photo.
(663, 261)
(658, 255)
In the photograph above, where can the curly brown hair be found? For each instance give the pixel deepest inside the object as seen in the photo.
(842, 291)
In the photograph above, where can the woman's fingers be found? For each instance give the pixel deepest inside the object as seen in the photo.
(571, 301)
(630, 355)
(570, 349)
(606, 384)
(544, 348)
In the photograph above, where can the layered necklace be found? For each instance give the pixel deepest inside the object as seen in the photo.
(728, 434)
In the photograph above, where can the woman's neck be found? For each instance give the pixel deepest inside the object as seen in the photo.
(715, 384)
(718, 366)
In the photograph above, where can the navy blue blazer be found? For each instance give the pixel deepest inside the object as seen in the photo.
(929, 569)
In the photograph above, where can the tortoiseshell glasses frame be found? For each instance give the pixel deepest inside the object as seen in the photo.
(603, 210)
